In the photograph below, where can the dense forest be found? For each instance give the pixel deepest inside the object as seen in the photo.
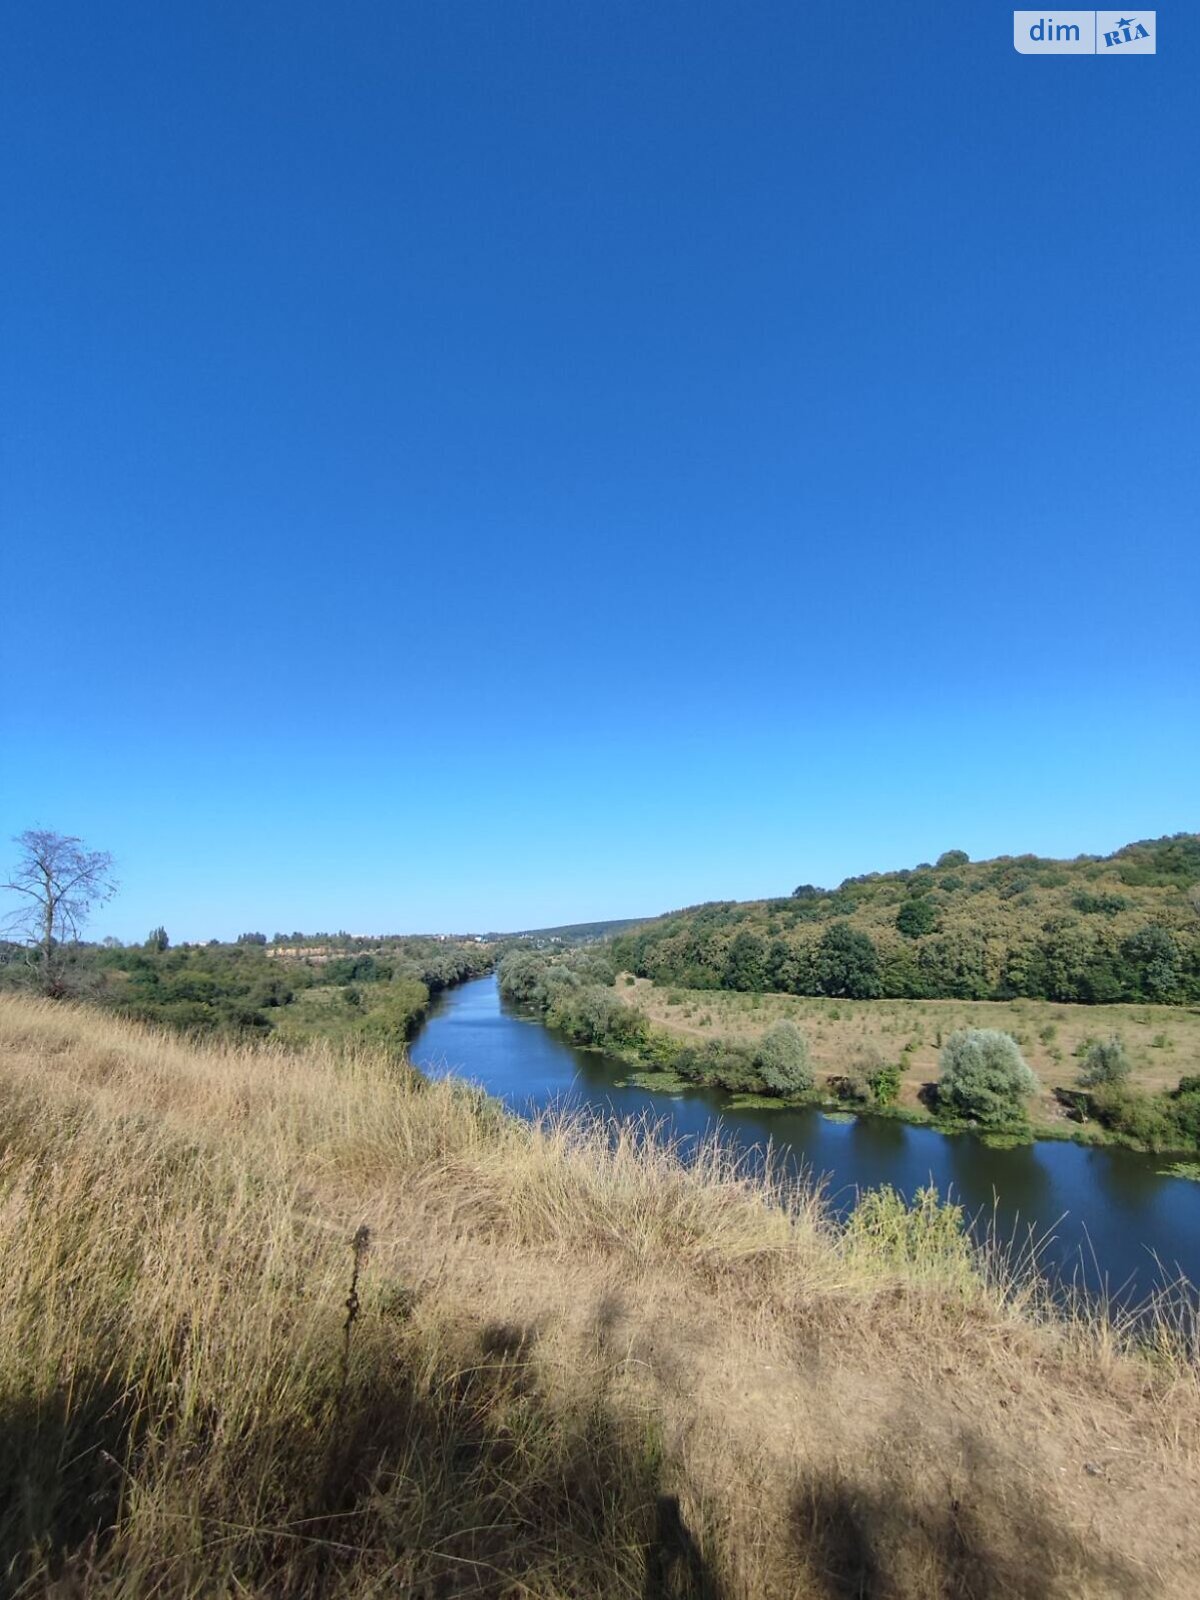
(300, 988)
(1096, 930)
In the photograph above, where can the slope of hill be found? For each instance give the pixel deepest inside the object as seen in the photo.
(1124, 927)
(573, 932)
(304, 1324)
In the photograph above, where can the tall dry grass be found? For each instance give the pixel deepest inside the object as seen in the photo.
(574, 1364)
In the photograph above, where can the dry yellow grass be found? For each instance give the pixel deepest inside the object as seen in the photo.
(579, 1368)
(1163, 1042)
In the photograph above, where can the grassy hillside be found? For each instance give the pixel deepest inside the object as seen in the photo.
(302, 1324)
(1124, 927)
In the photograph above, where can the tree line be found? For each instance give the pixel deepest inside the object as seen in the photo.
(1124, 928)
(1062, 963)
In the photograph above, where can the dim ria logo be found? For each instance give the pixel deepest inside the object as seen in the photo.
(1084, 33)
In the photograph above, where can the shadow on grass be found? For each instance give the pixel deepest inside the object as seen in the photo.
(434, 1473)
(60, 1472)
(675, 1567)
(865, 1540)
(444, 1472)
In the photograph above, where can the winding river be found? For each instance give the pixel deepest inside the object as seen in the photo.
(1106, 1218)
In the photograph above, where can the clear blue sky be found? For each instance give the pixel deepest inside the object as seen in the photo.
(488, 464)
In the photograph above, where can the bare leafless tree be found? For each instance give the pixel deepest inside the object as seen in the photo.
(59, 882)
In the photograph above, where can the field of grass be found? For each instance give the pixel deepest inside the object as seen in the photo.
(303, 1324)
(1163, 1042)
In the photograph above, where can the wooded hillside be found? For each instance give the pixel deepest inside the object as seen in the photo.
(1124, 927)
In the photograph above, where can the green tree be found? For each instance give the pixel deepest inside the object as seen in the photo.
(1059, 967)
(846, 963)
(784, 968)
(520, 974)
(157, 939)
(916, 916)
(984, 1077)
(1154, 956)
(782, 1060)
(955, 965)
(746, 964)
(952, 858)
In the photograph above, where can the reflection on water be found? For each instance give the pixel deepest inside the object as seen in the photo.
(1109, 1214)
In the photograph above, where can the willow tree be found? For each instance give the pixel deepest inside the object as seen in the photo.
(60, 881)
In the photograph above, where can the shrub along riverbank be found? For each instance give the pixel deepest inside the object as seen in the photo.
(984, 1084)
(301, 1323)
(299, 988)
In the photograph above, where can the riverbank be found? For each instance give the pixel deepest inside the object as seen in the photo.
(1163, 1045)
(572, 1364)
(345, 989)
(384, 1014)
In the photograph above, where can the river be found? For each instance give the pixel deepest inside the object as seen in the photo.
(1106, 1218)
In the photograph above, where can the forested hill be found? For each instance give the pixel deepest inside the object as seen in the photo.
(572, 932)
(1094, 929)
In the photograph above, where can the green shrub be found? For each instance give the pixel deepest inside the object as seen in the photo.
(1103, 905)
(928, 1234)
(1105, 1062)
(589, 1014)
(884, 1084)
(984, 1077)
(849, 1086)
(1185, 1109)
(782, 1061)
(1141, 1117)
(728, 1066)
